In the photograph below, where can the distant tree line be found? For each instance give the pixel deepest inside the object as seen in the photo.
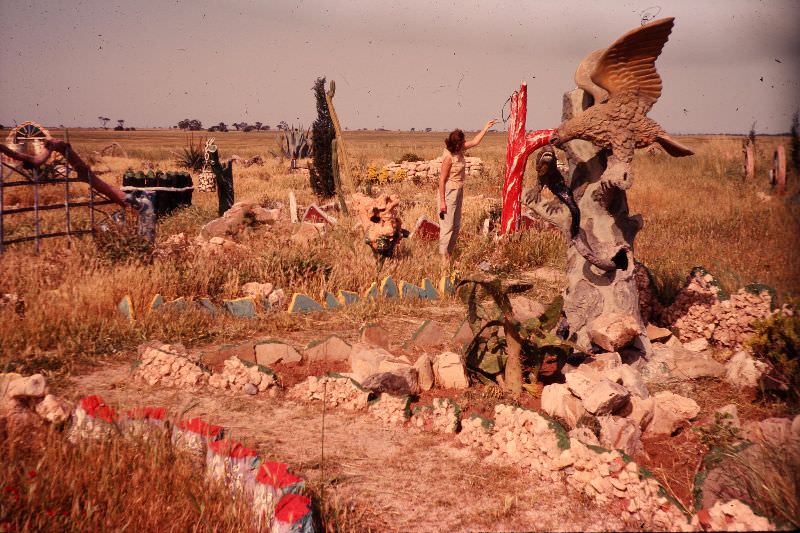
(196, 125)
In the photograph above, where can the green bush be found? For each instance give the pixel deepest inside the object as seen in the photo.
(777, 342)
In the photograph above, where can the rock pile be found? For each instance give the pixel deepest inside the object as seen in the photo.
(423, 170)
(528, 439)
(169, 365)
(698, 313)
(241, 214)
(612, 398)
(338, 391)
(475, 431)
(390, 409)
(731, 516)
(238, 377)
(444, 416)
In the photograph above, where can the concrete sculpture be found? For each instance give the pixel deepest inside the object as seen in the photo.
(604, 121)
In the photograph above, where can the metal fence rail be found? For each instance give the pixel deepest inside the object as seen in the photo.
(35, 178)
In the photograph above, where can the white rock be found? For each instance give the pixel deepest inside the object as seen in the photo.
(330, 349)
(425, 372)
(605, 397)
(581, 380)
(54, 409)
(33, 386)
(620, 433)
(366, 359)
(642, 411)
(449, 371)
(696, 345)
(742, 370)
(671, 411)
(612, 331)
(558, 401)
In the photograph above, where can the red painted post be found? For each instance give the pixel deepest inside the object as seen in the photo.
(519, 147)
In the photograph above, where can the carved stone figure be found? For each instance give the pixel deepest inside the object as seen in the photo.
(604, 121)
(381, 223)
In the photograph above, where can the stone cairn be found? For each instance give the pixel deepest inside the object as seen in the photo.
(170, 365)
(424, 170)
(698, 312)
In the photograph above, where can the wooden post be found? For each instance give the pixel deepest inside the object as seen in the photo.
(519, 147)
(224, 177)
(749, 153)
(340, 146)
(778, 173)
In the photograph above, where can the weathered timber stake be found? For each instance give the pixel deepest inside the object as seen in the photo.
(749, 155)
(778, 171)
(224, 176)
(519, 147)
(340, 145)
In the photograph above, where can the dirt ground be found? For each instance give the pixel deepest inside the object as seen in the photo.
(397, 479)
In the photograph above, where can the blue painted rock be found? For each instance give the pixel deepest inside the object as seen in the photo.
(241, 307)
(125, 307)
(303, 304)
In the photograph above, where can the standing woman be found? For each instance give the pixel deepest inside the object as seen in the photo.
(451, 188)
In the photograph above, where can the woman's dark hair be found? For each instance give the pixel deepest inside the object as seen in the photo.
(455, 141)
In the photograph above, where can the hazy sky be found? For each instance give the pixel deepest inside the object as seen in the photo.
(396, 64)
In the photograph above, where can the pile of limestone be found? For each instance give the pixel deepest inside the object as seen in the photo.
(170, 365)
(238, 377)
(422, 170)
(334, 390)
(526, 438)
(726, 323)
(699, 313)
(613, 400)
(443, 416)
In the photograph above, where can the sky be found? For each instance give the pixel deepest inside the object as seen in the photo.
(397, 65)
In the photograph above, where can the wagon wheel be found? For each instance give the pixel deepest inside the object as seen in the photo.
(29, 138)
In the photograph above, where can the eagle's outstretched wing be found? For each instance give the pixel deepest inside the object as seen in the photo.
(630, 63)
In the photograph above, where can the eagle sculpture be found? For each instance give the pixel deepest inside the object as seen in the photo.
(623, 81)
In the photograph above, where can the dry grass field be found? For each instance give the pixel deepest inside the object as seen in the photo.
(697, 211)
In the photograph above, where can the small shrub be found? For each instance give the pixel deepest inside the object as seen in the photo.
(410, 157)
(777, 342)
(720, 433)
(121, 243)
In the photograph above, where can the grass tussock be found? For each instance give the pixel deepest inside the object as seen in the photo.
(114, 485)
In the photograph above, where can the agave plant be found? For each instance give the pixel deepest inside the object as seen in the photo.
(191, 156)
(523, 347)
(294, 144)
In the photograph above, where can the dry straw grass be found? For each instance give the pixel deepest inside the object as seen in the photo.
(115, 485)
(696, 211)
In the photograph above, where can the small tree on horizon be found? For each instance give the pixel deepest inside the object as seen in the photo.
(120, 124)
(322, 133)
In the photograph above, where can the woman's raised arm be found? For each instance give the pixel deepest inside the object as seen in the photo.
(475, 141)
